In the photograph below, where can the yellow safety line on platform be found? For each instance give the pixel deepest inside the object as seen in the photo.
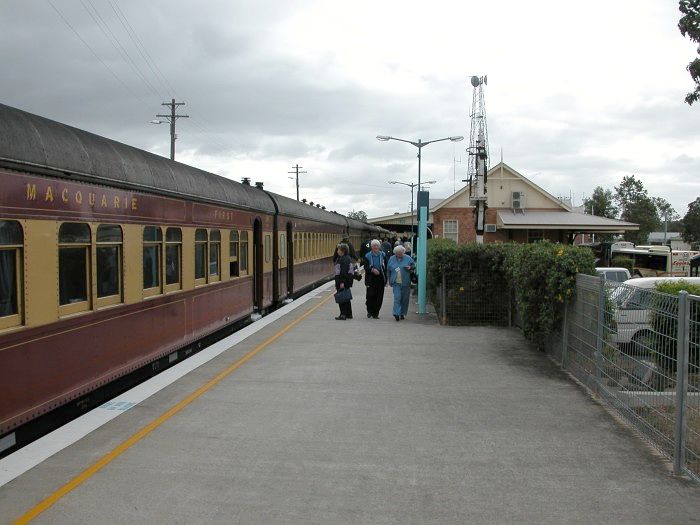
(124, 446)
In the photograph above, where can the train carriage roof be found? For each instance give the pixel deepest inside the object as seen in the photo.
(302, 210)
(33, 141)
(29, 141)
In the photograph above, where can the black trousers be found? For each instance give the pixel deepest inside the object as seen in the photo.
(345, 308)
(375, 295)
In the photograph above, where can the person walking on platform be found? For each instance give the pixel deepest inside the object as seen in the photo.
(399, 268)
(351, 249)
(375, 279)
(343, 280)
(387, 248)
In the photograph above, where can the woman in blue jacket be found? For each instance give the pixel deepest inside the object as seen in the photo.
(399, 270)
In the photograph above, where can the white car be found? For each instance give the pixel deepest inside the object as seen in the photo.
(632, 312)
(619, 275)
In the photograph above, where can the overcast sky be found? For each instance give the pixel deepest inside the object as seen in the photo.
(579, 94)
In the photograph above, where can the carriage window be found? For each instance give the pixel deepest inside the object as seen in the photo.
(283, 246)
(108, 252)
(152, 246)
(233, 253)
(214, 251)
(243, 259)
(11, 241)
(173, 257)
(200, 254)
(268, 248)
(73, 262)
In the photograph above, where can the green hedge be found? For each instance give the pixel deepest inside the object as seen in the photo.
(620, 261)
(541, 276)
(665, 348)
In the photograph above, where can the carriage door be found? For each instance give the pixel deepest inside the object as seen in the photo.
(257, 265)
(290, 260)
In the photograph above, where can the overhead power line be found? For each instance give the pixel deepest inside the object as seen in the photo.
(117, 45)
(65, 20)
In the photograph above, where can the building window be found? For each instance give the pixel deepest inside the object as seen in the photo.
(214, 254)
(233, 253)
(200, 254)
(535, 235)
(73, 266)
(268, 248)
(152, 257)
(173, 258)
(243, 257)
(108, 253)
(11, 243)
(450, 230)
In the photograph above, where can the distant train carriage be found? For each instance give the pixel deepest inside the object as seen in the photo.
(115, 262)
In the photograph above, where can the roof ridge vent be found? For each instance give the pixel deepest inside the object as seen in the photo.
(245, 181)
(259, 185)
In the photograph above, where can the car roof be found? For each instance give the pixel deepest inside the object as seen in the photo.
(650, 282)
(611, 269)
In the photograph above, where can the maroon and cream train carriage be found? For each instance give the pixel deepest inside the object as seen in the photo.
(115, 262)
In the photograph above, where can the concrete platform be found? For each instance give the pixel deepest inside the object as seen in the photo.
(365, 421)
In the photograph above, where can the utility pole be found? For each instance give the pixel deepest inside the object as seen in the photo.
(172, 118)
(296, 170)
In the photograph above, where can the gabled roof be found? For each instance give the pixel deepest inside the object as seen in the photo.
(531, 184)
(449, 199)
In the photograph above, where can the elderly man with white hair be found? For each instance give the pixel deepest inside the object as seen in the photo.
(375, 279)
(399, 269)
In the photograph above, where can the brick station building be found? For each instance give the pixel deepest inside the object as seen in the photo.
(517, 210)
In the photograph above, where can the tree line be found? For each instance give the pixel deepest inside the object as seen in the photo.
(631, 202)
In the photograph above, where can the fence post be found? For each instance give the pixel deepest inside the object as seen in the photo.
(600, 335)
(682, 351)
(564, 334)
(443, 299)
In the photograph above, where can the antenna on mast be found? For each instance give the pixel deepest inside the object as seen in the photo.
(478, 150)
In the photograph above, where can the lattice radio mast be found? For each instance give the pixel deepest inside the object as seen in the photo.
(478, 150)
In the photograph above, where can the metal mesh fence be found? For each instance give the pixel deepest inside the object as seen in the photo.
(639, 350)
(474, 296)
(692, 405)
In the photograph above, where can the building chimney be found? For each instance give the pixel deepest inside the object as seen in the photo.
(245, 181)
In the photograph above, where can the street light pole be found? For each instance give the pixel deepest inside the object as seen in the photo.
(422, 217)
(411, 185)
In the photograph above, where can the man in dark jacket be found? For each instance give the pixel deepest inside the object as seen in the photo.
(375, 279)
(351, 249)
(388, 250)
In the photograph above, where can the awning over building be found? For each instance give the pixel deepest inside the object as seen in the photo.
(561, 220)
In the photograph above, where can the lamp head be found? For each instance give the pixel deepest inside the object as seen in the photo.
(457, 139)
(156, 121)
(383, 138)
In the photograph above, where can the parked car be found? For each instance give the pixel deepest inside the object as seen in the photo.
(633, 309)
(619, 275)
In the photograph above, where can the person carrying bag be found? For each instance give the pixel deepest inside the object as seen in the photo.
(344, 271)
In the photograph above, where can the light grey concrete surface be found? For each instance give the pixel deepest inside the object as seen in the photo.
(368, 421)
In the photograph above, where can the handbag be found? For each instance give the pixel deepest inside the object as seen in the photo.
(343, 296)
